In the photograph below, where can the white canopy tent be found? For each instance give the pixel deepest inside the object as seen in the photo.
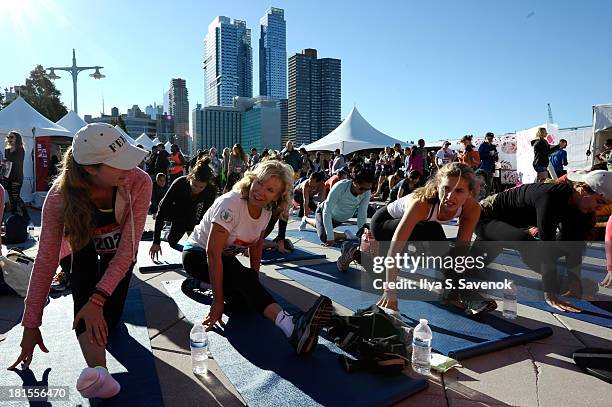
(124, 134)
(602, 128)
(72, 122)
(156, 141)
(22, 117)
(167, 146)
(145, 141)
(353, 134)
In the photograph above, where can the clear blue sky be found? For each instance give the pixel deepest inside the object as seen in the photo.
(435, 69)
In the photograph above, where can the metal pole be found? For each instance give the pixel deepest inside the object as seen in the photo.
(74, 90)
(74, 71)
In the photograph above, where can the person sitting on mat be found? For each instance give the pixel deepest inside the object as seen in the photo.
(405, 186)
(345, 198)
(234, 224)
(95, 212)
(516, 214)
(305, 191)
(419, 217)
(188, 198)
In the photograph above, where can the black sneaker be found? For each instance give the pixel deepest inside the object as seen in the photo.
(308, 324)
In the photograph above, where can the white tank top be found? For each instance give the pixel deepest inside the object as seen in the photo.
(397, 207)
(396, 210)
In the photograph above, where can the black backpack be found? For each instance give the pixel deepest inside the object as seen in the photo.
(375, 339)
(15, 229)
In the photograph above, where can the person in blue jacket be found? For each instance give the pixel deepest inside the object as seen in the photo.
(558, 159)
(345, 198)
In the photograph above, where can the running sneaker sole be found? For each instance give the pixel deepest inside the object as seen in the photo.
(322, 314)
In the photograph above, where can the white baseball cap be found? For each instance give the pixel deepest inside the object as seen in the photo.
(599, 181)
(101, 143)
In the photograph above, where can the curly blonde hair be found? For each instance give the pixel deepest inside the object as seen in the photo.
(263, 171)
(429, 192)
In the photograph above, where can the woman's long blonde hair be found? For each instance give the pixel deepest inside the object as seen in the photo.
(541, 133)
(429, 192)
(263, 171)
(72, 183)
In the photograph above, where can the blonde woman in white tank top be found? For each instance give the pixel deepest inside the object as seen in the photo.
(446, 196)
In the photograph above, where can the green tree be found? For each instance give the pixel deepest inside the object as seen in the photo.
(119, 121)
(42, 94)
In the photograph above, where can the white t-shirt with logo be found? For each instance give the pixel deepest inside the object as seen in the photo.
(231, 212)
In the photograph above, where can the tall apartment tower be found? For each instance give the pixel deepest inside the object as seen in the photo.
(314, 97)
(273, 54)
(178, 105)
(228, 62)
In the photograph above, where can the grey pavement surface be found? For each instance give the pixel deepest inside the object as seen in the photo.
(540, 373)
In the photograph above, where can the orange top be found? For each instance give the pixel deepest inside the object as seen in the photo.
(471, 158)
(178, 165)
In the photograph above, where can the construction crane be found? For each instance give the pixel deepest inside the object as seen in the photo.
(550, 116)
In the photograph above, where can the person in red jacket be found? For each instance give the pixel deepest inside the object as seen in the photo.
(95, 213)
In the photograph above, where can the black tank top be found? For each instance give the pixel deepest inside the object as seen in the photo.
(108, 232)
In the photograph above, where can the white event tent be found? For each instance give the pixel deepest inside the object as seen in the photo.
(167, 146)
(22, 117)
(602, 127)
(72, 122)
(145, 141)
(353, 134)
(124, 134)
(156, 141)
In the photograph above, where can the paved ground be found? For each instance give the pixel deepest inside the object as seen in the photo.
(541, 373)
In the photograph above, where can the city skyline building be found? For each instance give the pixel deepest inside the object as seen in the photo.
(314, 96)
(228, 62)
(260, 122)
(283, 105)
(154, 110)
(273, 54)
(178, 104)
(216, 126)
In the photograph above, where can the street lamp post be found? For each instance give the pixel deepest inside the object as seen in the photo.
(74, 71)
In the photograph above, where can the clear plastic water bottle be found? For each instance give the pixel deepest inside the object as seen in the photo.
(199, 349)
(31, 230)
(510, 301)
(421, 348)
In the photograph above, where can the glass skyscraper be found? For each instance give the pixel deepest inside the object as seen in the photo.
(273, 54)
(228, 62)
(314, 97)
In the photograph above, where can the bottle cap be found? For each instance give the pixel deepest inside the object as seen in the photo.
(423, 321)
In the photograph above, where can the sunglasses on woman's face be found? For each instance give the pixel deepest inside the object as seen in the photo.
(10, 138)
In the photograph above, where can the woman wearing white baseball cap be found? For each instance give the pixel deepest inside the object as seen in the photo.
(559, 211)
(95, 212)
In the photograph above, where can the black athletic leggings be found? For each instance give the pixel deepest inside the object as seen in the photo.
(282, 228)
(298, 195)
(14, 191)
(87, 270)
(232, 178)
(177, 229)
(383, 226)
(240, 284)
(539, 256)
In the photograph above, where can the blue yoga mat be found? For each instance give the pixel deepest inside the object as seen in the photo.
(170, 259)
(257, 358)
(272, 256)
(455, 334)
(310, 234)
(129, 356)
